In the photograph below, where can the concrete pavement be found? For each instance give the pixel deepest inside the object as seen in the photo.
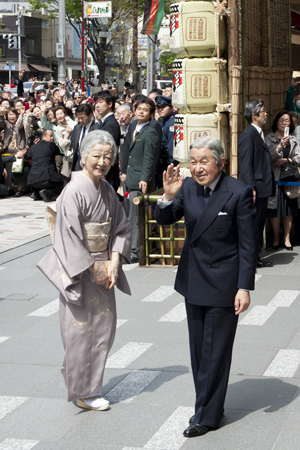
(148, 378)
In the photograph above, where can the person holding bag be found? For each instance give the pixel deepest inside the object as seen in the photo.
(285, 153)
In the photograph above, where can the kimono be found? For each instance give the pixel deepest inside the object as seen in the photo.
(87, 310)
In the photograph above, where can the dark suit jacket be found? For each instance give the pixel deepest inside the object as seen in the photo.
(256, 163)
(43, 166)
(142, 159)
(219, 253)
(112, 126)
(127, 143)
(75, 135)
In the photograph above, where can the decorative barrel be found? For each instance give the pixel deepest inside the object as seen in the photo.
(189, 127)
(195, 84)
(193, 29)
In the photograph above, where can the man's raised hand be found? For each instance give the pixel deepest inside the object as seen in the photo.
(172, 182)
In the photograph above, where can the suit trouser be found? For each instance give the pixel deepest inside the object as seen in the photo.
(211, 336)
(261, 205)
(133, 223)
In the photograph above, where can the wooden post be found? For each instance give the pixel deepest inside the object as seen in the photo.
(233, 61)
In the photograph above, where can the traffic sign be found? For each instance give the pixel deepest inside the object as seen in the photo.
(83, 39)
(9, 67)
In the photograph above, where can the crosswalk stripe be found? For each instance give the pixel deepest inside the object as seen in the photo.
(257, 277)
(17, 444)
(121, 322)
(258, 315)
(127, 267)
(131, 386)
(3, 339)
(160, 294)
(8, 404)
(177, 314)
(284, 298)
(127, 354)
(285, 364)
(46, 310)
(2, 268)
(169, 436)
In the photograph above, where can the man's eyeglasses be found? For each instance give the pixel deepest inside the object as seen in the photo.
(263, 111)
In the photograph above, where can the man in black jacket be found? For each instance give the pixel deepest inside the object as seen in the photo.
(84, 114)
(105, 105)
(46, 183)
(256, 165)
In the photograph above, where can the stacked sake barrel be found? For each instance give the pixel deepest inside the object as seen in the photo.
(199, 77)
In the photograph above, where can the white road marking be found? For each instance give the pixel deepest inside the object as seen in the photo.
(285, 364)
(121, 322)
(177, 314)
(258, 315)
(160, 294)
(131, 386)
(169, 436)
(284, 298)
(127, 267)
(46, 310)
(8, 404)
(17, 444)
(127, 354)
(257, 277)
(2, 268)
(3, 339)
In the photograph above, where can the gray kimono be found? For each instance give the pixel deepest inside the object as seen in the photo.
(87, 310)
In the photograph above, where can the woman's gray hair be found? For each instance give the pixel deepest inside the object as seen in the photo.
(213, 144)
(252, 107)
(97, 137)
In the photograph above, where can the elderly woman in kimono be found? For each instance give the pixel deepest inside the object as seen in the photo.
(91, 237)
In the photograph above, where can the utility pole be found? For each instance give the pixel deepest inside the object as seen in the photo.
(82, 48)
(19, 38)
(150, 62)
(135, 69)
(62, 40)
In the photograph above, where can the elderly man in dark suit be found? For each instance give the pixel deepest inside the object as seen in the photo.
(85, 117)
(256, 166)
(105, 106)
(216, 269)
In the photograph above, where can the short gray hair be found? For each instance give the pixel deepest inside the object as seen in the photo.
(97, 137)
(207, 142)
(125, 105)
(252, 107)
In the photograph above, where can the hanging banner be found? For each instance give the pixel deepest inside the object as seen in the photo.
(97, 9)
(153, 16)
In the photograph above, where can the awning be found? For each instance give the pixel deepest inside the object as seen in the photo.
(41, 68)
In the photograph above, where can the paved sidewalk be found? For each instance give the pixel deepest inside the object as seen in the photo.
(148, 378)
(21, 219)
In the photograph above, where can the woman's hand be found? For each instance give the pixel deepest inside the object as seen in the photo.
(2, 111)
(68, 132)
(283, 143)
(113, 269)
(172, 182)
(280, 162)
(100, 275)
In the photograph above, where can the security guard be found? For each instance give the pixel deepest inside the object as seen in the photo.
(165, 111)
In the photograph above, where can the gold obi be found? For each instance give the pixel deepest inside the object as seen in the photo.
(95, 235)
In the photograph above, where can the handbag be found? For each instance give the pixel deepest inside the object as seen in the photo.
(289, 172)
(292, 191)
(18, 166)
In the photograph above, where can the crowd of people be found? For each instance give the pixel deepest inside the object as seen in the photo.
(92, 152)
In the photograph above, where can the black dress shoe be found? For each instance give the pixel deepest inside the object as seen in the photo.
(44, 194)
(18, 194)
(195, 429)
(35, 196)
(192, 419)
(288, 248)
(276, 247)
(261, 263)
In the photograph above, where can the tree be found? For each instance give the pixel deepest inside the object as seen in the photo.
(119, 23)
